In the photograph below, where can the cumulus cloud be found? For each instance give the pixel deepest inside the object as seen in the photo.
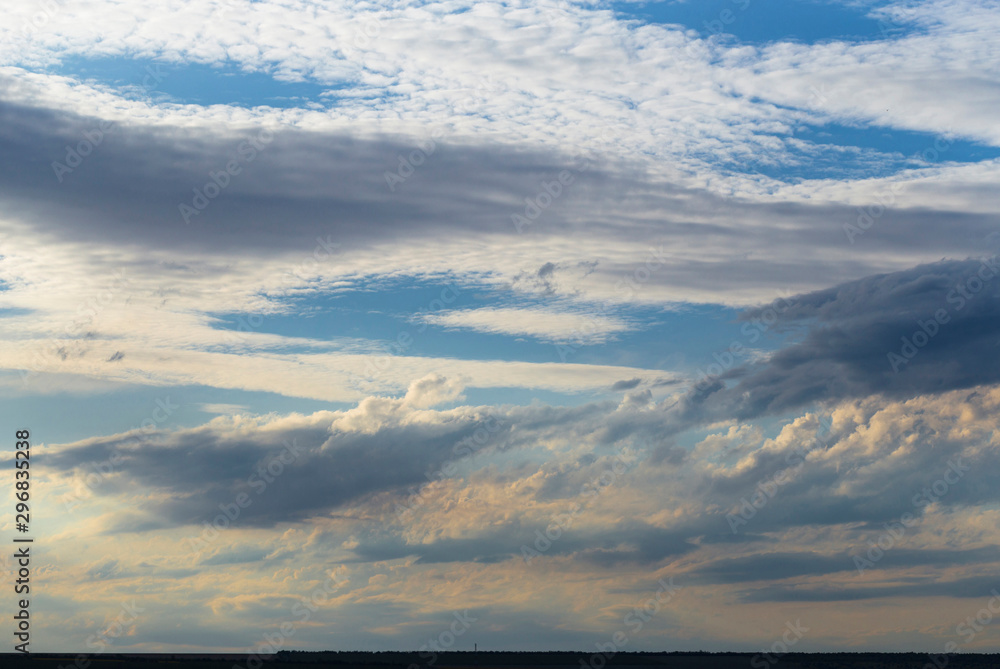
(744, 517)
(386, 450)
(301, 466)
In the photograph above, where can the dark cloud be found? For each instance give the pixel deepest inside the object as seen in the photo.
(296, 187)
(286, 476)
(928, 329)
(626, 385)
(670, 453)
(332, 186)
(784, 565)
(633, 544)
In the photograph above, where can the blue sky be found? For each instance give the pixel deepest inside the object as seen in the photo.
(193, 83)
(437, 272)
(752, 22)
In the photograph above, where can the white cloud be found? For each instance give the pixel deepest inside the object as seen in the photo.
(685, 97)
(222, 409)
(541, 323)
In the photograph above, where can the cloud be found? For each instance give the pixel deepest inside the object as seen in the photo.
(628, 384)
(779, 566)
(516, 485)
(928, 329)
(973, 587)
(223, 409)
(127, 193)
(541, 323)
(413, 168)
(882, 460)
(393, 447)
(431, 390)
(414, 62)
(299, 467)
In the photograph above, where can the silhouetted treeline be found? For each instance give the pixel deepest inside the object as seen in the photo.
(506, 659)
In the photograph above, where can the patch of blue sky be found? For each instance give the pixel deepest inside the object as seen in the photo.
(390, 315)
(393, 333)
(840, 151)
(689, 340)
(757, 22)
(914, 146)
(195, 83)
(83, 415)
(380, 311)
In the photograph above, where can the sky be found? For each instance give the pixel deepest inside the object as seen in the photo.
(352, 325)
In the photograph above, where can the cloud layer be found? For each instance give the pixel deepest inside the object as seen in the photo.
(448, 278)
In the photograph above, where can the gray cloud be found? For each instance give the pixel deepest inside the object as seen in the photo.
(289, 476)
(127, 191)
(784, 565)
(633, 543)
(866, 337)
(626, 385)
(381, 459)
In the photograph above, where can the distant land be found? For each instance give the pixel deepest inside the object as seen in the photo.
(503, 659)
